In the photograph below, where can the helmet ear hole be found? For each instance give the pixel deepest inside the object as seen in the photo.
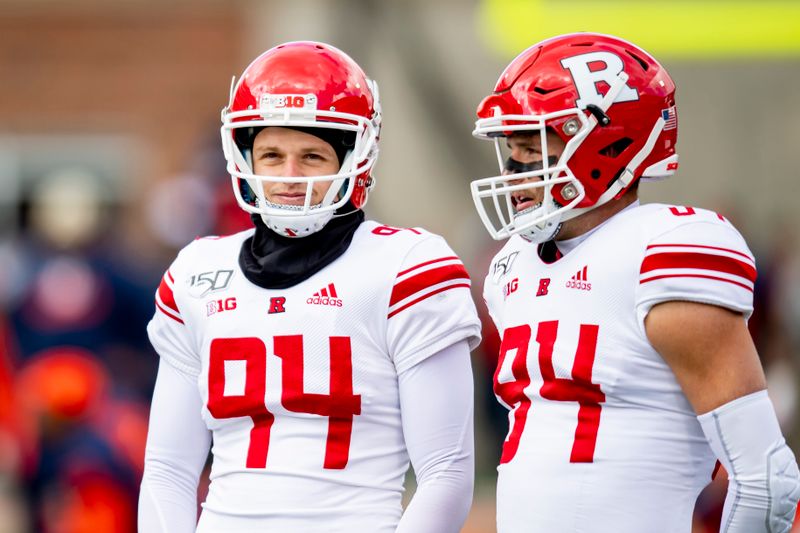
(639, 60)
(616, 148)
(595, 174)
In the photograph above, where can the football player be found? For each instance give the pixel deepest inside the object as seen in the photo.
(318, 352)
(625, 361)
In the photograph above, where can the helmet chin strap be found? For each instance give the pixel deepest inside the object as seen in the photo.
(548, 228)
(298, 226)
(542, 232)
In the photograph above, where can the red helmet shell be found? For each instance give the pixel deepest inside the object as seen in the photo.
(569, 71)
(306, 67)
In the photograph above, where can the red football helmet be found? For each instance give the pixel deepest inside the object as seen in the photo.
(303, 85)
(611, 103)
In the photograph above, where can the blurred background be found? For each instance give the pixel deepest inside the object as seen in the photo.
(110, 162)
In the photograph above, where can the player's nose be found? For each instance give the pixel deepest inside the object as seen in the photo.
(292, 167)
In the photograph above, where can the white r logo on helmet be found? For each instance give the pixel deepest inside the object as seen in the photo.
(586, 79)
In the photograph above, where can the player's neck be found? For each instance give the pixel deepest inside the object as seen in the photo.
(588, 221)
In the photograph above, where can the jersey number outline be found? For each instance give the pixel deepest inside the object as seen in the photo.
(340, 405)
(578, 389)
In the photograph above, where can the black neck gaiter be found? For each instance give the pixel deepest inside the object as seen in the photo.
(272, 261)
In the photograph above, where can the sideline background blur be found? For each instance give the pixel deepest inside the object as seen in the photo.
(110, 162)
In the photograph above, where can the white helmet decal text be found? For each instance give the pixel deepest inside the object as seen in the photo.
(586, 79)
(287, 101)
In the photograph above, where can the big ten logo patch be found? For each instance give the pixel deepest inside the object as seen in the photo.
(218, 306)
(277, 304)
(510, 287)
(288, 101)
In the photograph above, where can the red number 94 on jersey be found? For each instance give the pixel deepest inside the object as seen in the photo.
(340, 405)
(578, 389)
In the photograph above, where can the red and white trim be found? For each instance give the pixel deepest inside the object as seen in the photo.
(697, 261)
(165, 299)
(425, 280)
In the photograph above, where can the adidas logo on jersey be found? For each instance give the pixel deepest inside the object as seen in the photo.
(579, 281)
(326, 296)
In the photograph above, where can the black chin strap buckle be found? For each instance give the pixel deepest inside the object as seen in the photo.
(599, 114)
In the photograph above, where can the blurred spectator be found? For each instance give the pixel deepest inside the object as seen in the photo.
(73, 288)
(74, 313)
(180, 209)
(78, 477)
(196, 202)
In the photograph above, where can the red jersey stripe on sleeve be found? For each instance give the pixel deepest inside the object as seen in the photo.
(165, 298)
(167, 312)
(736, 252)
(166, 295)
(701, 261)
(426, 263)
(425, 296)
(700, 276)
(419, 282)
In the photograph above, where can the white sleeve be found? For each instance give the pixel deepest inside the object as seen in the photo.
(705, 261)
(763, 478)
(436, 401)
(431, 305)
(168, 494)
(167, 331)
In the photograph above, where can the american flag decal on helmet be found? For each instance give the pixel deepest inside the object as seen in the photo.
(670, 117)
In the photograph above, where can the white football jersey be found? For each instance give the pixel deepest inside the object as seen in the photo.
(299, 385)
(601, 438)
